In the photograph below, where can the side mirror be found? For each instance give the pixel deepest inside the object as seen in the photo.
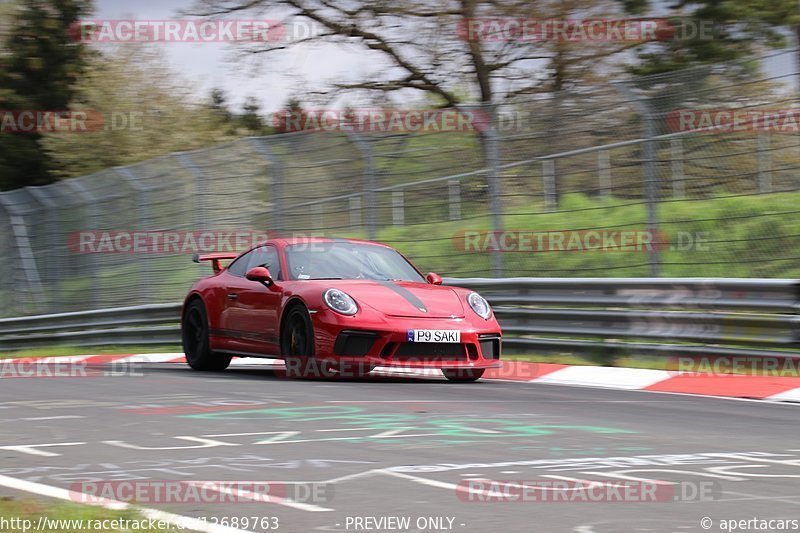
(260, 274)
(433, 278)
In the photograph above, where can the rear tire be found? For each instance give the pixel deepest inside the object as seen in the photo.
(297, 344)
(464, 375)
(195, 341)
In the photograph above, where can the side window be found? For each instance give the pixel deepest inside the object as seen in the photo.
(266, 256)
(239, 267)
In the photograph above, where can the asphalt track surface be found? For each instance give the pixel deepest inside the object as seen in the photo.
(399, 447)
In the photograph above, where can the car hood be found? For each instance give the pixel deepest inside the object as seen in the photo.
(404, 298)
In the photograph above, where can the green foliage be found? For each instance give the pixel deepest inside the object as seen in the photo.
(147, 112)
(251, 119)
(59, 515)
(743, 236)
(739, 28)
(41, 65)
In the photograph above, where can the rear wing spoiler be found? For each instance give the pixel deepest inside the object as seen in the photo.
(215, 259)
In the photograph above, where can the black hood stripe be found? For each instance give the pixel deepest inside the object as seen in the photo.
(409, 296)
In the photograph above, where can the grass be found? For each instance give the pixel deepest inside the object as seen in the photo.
(62, 351)
(744, 236)
(12, 508)
(655, 363)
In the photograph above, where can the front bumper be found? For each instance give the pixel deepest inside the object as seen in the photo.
(384, 342)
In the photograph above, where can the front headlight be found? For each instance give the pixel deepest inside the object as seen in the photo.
(340, 301)
(479, 305)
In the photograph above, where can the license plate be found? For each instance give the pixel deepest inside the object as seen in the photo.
(434, 335)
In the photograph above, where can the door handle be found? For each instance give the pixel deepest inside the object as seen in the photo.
(232, 296)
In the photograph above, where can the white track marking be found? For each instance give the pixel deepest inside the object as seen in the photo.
(63, 494)
(202, 443)
(625, 477)
(429, 482)
(348, 477)
(279, 436)
(51, 417)
(39, 418)
(595, 483)
(344, 429)
(787, 499)
(420, 401)
(598, 376)
(726, 469)
(791, 395)
(31, 449)
(52, 360)
(148, 358)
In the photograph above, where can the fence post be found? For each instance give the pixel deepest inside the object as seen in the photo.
(355, 211)
(648, 170)
(454, 196)
(488, 136)
(764, 162)
(53, 275)
(368, 188)
(201, 188)
(549, 183)
(276, 168)
(91, 209)
(676, 164)
(398, 208)
(22, 242)
(495, 189)
(604, 171)
(143, 216)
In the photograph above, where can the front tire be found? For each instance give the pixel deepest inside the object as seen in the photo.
(195, 341)
(297, 343)
(464, 375)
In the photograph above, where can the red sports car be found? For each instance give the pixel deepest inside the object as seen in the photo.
(338, 305)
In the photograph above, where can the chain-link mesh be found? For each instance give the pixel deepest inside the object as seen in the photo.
(564, 169)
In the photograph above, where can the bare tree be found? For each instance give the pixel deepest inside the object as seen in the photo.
(455, 50)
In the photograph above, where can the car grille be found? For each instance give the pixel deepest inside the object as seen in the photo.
(357, 343)
(431, 351)
(490, 347)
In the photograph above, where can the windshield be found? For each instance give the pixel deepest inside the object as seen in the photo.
(347, 260)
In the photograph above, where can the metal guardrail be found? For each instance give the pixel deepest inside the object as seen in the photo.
(156, 324)
(645, 316)
(648, 316)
